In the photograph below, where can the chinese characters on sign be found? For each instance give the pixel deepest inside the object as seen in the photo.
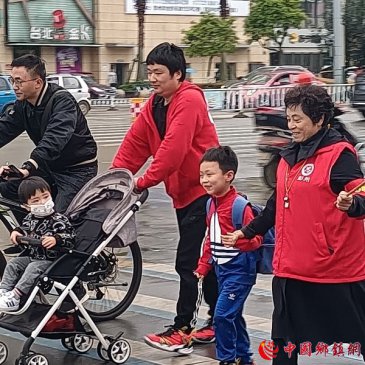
(74, 34)
(307, 349)
(190, 7)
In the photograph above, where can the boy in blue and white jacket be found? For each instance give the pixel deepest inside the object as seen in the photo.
(235, 266)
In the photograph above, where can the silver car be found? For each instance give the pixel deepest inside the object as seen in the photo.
(76, 86)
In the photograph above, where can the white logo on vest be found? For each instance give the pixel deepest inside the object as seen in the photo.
(307, 169)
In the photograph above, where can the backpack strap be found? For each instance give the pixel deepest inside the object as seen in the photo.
(208, 209)
(238, 208)
(48, 108)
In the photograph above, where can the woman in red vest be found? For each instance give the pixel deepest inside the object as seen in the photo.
(319, 260)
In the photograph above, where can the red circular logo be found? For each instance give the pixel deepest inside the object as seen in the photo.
(268, 350)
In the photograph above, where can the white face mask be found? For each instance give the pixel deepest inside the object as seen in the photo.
(42, 210)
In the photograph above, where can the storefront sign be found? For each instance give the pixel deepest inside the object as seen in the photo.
(50, 21)
(68, 59)
(191, 7)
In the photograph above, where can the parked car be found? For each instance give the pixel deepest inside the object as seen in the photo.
(97, 90)
(264, 70)
(76, 86)
(358, 94)
(266, 86)
(7, 94)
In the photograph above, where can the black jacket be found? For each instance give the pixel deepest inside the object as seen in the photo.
(65, 140)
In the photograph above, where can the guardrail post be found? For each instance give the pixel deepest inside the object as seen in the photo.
(112, 104)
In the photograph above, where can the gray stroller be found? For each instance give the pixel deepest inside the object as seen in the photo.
(85, 284)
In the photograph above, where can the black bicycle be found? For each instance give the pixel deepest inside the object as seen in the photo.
(116, 284)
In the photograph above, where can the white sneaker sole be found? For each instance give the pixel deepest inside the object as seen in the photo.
(202, 342)
(12, 309)
(181, 349)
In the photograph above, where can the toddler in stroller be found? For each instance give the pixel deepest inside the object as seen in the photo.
(103, 215)
(53, 229)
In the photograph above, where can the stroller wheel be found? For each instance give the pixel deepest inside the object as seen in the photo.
(36, 359)
(82, 343)
(3, 352)
(102, 353)
(119, 351)
(67, 343)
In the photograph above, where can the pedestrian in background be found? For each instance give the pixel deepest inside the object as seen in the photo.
(175, 128)
(318, 210)
(235, 266)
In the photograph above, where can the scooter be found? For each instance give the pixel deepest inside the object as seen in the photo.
(272, 125)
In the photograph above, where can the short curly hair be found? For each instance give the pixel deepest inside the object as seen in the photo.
(314, 101)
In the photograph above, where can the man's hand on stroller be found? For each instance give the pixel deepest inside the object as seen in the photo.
(48, 242)
(13, 237)
(10, 171)
(135, 189)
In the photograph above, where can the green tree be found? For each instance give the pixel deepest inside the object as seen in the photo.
(354, 21)
(140, 6)
(269, 21)
(224, 13)
(211, 36)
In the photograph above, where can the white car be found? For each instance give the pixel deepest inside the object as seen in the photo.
(76, 86)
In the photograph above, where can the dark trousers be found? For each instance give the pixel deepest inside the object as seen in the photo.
(282, 357)
(65, 185)
(192, 227)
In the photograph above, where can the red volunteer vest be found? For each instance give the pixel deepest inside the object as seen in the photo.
(315, 241)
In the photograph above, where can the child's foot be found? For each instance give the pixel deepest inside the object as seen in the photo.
(9, 302)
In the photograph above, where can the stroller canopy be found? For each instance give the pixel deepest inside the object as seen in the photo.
(107, 198)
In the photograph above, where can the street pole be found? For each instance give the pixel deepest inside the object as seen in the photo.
(339, 41)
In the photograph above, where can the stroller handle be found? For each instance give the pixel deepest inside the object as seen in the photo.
(28, 241)
(144, 195)
(12, 173)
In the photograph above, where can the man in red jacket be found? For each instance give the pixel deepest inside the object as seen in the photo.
(175, 128)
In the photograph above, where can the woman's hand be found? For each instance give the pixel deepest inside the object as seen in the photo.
(344, 201)
(48, 242)
(13, 237)
(199, 276)
(230, 239)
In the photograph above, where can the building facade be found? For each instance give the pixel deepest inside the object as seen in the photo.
(99, 36)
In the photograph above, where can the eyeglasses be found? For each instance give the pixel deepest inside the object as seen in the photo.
(18, 82)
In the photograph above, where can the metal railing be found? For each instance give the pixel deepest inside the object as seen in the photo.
(242, 98)
(237, 99)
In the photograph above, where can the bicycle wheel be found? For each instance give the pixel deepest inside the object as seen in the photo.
(110, 297)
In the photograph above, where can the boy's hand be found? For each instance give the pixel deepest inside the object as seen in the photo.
(230, 239)
(199, 276)
(4, 169)
(344, 201)
(48, 242)
(13, 237)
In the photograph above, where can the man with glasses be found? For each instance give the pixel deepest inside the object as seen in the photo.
(65, 152)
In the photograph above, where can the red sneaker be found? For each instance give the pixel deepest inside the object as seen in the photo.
(172, 340)
(205, 334)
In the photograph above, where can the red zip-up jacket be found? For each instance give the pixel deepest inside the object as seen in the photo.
(190, 131)
(223, 206)
(315, 241)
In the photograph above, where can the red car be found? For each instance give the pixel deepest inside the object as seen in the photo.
(267, 86)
